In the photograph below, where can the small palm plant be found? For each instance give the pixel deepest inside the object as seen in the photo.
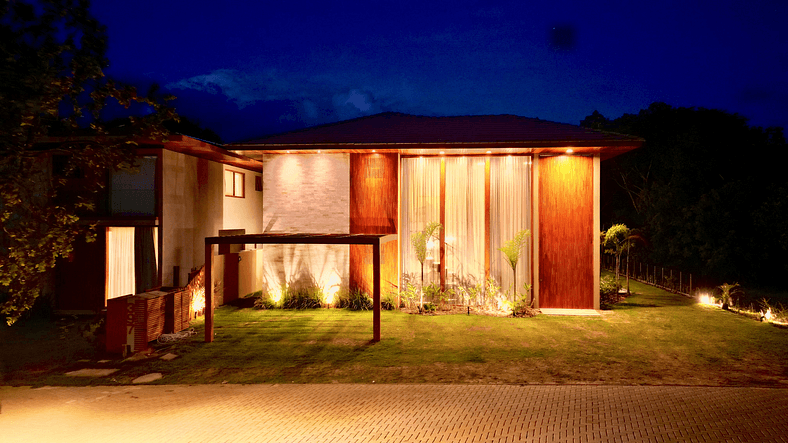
(419, 242)
(728, 291)
(512, 249)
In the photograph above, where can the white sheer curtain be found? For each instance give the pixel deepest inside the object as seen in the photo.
(120, 262)
(420, 205)
(464, 234)
(510, 212)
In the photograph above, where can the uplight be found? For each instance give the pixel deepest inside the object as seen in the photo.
(705, 298)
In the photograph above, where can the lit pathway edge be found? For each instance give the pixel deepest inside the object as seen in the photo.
(371, 413)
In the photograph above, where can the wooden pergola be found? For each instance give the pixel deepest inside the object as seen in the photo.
(376, 240)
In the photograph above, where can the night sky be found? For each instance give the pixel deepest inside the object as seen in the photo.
(248, 68)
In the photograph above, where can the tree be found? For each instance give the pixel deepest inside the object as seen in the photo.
(52, 88)
(419, 241)
(512, 249)
(706, 202)
(617, 240)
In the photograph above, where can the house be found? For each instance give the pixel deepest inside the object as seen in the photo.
(483, 178)
(151, 221)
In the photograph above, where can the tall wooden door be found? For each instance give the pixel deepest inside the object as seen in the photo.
(566, 234)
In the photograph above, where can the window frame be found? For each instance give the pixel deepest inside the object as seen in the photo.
(235, 175)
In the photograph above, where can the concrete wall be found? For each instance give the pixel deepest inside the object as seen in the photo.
(244, 213)
(306, 193)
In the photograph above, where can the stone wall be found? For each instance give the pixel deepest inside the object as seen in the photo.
(306, 193)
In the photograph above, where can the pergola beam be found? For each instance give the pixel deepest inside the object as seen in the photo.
(376, 240)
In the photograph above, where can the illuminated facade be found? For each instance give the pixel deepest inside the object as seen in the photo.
(484, 178)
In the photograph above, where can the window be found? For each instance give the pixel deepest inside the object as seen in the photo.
(233, 184)
(466, 200)
(132, 260)
(258, 183)
(133, 191)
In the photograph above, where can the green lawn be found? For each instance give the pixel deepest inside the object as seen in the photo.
(653, 337)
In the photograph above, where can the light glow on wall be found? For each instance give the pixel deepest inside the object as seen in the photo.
(330, 286)
(276, 295)
(198, 300)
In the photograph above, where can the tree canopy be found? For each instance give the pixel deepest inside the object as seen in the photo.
(706, 189)
(54, 97)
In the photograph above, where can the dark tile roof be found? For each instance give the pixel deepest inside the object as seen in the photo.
(397, 128)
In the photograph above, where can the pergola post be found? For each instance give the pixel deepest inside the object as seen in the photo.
(208, 293)
(376, 291)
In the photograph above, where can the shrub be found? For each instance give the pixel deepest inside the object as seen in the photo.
(355, 300)
(435, 295)
(523, 306)
(608, 292)
(428, 307)
(389, 301)
(432, 292)
(302, 298)
(263, 301)
(773, 312)
(410, 295)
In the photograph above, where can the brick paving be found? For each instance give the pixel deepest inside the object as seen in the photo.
(396, 413)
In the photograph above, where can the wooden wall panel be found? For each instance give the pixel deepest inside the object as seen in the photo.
(373, 210)
(566, 232)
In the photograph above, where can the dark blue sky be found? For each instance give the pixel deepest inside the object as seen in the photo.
(250, 68)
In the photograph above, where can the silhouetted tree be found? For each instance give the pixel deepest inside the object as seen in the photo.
(192, 128)
(52, 84)
(705, 187)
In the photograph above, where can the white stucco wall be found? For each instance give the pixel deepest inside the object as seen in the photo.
(250, 272)
(192, 209)
(306, 193)
(247, 212)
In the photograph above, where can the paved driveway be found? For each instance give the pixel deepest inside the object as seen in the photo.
(371, 413)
